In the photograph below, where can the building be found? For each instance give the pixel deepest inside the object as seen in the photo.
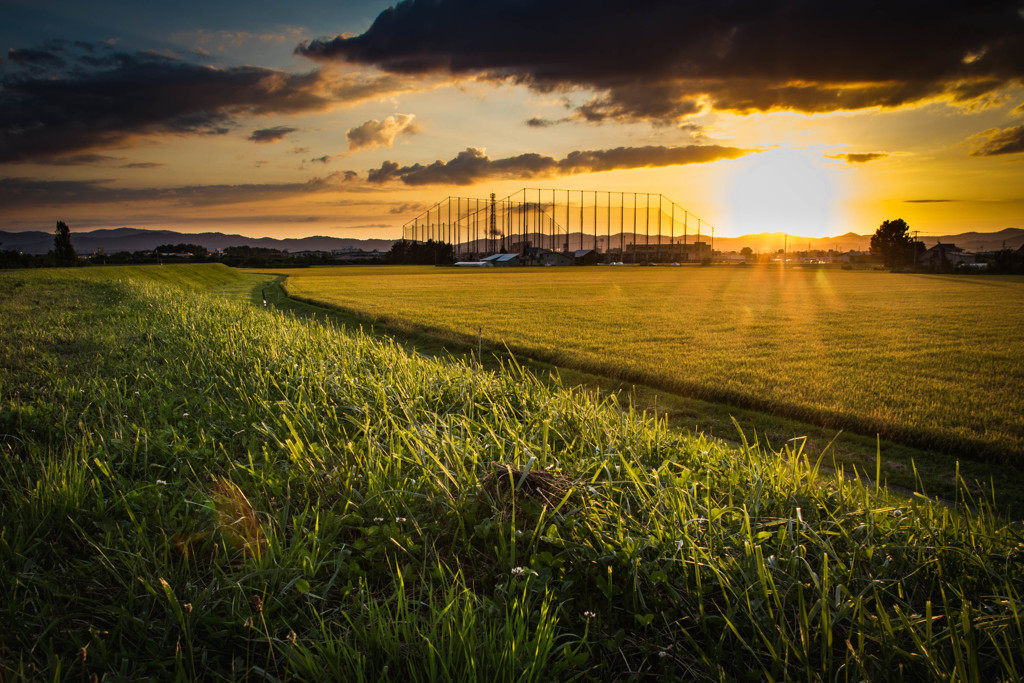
(499, 260)
(948, 255)
(586, 257)
(539, 256)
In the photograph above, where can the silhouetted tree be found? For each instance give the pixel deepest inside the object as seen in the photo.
(421, 253)
(64, 254)
(182, 248)
(893, 243)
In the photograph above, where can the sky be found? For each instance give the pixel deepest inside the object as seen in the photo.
(347, 118)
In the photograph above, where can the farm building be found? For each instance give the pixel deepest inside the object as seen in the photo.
(538, 256)
(948, 254)
(499, 260)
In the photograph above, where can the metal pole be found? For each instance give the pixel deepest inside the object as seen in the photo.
(608, 240)
(581, 222)
(634, 226)
(659, 226)
(647, 215)
(568, 201)
(686, 220)
(622, 225)
(673, 238)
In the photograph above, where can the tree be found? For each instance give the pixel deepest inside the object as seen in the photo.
(64, 253)
(421, 253)
(893, 243)
(182, 248)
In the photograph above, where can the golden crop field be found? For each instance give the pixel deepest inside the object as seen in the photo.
(930, 360)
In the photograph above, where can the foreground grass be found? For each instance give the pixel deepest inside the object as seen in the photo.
(924, 360)
(197, 487)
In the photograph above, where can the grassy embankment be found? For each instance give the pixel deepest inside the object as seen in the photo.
(931, 363)
(196, 487)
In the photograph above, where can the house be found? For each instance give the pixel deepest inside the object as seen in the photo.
(539, 256)
(499, 260)
(586, 257)
(945, 254)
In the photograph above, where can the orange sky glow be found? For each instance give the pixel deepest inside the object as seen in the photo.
(348, 119)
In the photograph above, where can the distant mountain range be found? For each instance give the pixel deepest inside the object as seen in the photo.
(134, 239)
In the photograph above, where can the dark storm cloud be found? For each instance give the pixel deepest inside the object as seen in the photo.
(67, 99)
(998, 141)
(87, 159)
(858, 158)
(32, 192)
(660, 61)
(473, 165)
(268, 135)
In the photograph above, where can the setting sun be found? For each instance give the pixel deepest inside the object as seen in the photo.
(783, 190)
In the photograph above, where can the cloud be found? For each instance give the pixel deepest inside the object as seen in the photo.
(997, 141)
(858, 158)
(408, 207)
(661, 62)
(67, 98)
(376, 133)
(77, 100)
(88, 159)
(540, 122)
(473, 165)
(928, 201)
(267, 135)
(143, 164)
(18, 192)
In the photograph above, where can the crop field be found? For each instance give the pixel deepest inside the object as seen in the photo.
(931, 361)
(195, 487)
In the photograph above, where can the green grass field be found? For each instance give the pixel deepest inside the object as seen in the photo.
(194, 487)
(931, 361)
